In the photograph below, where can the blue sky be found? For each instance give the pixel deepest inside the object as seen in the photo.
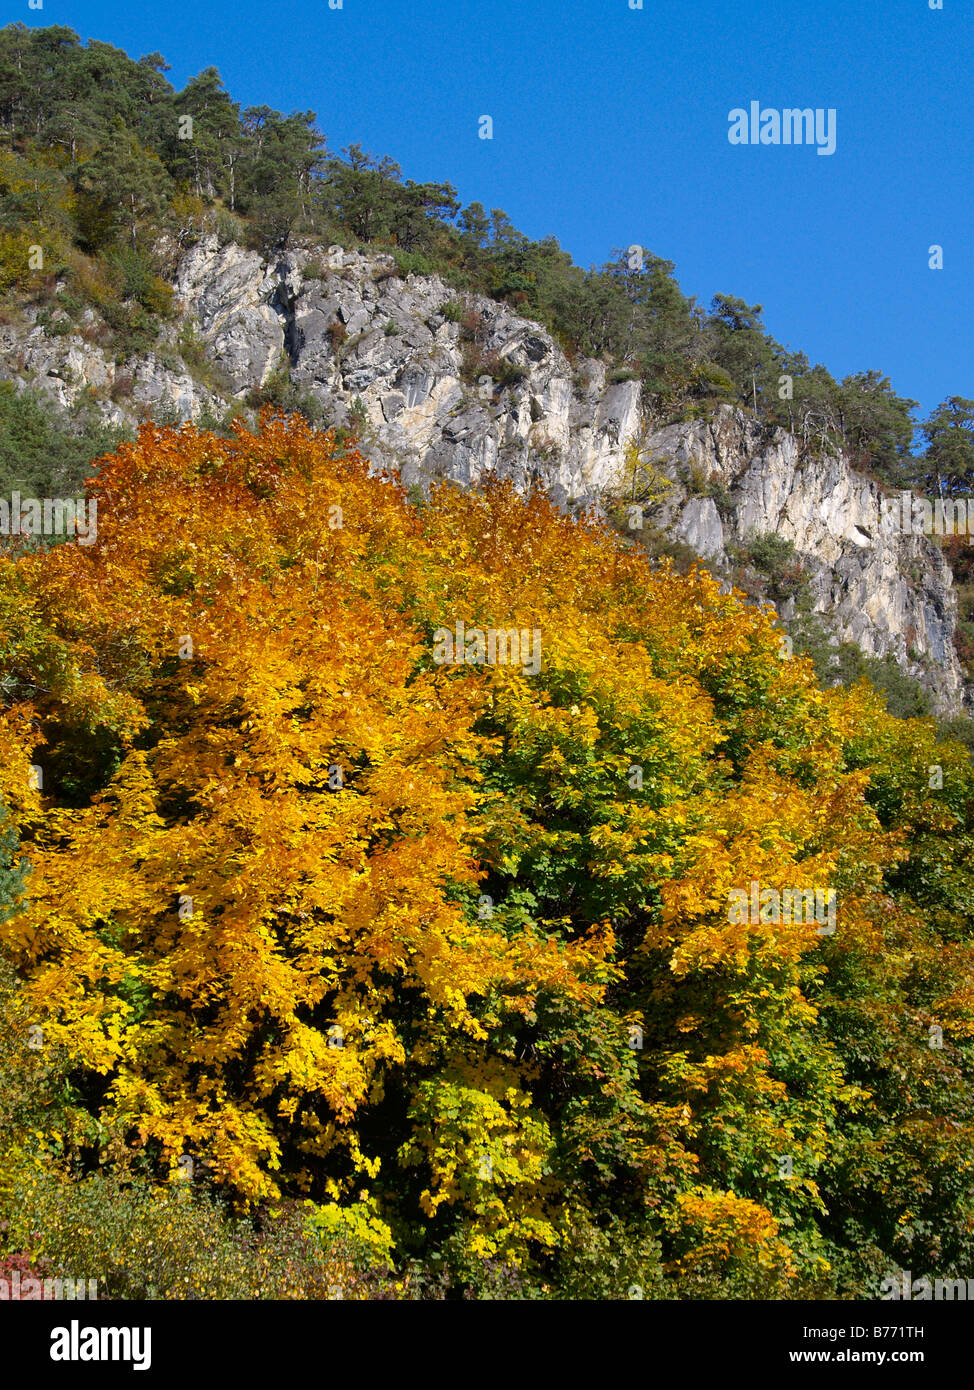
(610, 128)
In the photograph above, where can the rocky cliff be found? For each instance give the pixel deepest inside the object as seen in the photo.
(446, 385)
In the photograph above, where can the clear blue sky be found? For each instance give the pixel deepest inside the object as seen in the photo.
(610, 128)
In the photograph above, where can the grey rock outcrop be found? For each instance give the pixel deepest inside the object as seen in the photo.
(455, 386)
(889, 592)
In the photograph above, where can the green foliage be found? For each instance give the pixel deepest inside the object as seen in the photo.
(121, 187)
(229, 228)
(611, 1260)
(358, 416)
(949, 461)
(285, 397)
(504, 372)
(905, 697)
(221, 424)
(877, 425)
(413, 263)
(44, 453)
(138, 280)
(959, 729)
(722, 498)
(775, 556)
(201, 366)
(180, 1243)
(660, 545)
(134, 331)
(741, 346)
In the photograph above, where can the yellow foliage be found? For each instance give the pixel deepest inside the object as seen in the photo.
(259, 909)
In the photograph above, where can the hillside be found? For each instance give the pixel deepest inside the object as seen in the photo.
(168, 255)
(463, 829)
(439, 383)
(625, 958)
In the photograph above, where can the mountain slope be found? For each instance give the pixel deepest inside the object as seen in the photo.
(441, 384)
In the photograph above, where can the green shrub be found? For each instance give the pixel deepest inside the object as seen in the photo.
(609, 1261)
(905, 697)
(229, 228)
(72, 303)
(122, 387)
(694, 479)
(412, 263)
(504, 372)
(143, 1242)
(166, 412)
(358, 416)
(844, 663)
(280, 392)
(775, 557)
(659, 545)
(54, 327)
(45, 452)
(960, 729)
(722, 498)
(199, 364)
(134, 331)
(220, 424)
(135, 274)
(770, 552)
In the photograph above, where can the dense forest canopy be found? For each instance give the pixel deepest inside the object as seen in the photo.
(444, 950)
(100, 155)
(327, 962)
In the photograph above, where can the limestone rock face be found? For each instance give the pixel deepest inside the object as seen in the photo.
(493, 394)
(889, 592)
(455, 386)
(231, 295)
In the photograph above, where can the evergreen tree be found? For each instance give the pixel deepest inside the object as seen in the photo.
(125, 181)
(948, 463)
(741, 347)
(286, 158)
(877, 423)
(206, 152)
(360, 193)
